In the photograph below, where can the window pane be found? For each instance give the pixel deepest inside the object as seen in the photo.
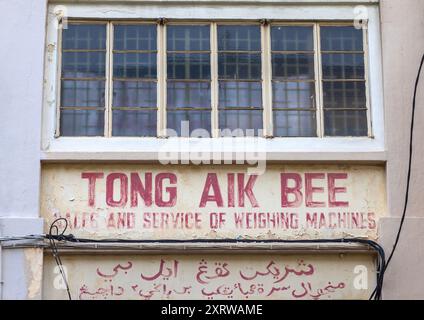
(84, 37)
(293, 95)
(343, 66)
(295, 123)
(130, 123)
(82, 123)
(345, 123)
(134, 94)
(83, 64)
(293, 66)
(189, 66)
(286, 38)
(240, 94)
(338, 91)
(185, 121)
(243, 66)
(135, 65)
(189, 95)
(83, 93)
(240, 119)
(135, 37)
(344, 94)
(341, 38)
(188, 38)
(83, 57)
(239, 38)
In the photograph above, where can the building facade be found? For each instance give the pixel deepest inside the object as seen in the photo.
(209, 150)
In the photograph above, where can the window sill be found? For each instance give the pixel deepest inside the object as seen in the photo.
(277, 149)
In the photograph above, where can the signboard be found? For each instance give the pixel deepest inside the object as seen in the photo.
(210, 277)
(207, 202)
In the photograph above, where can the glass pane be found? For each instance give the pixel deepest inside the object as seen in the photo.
(341, 38)
(82, 93)
(188, 38)
(135, 65)
(293, 66)
(293, 94)
(239, 38)
(83, 64)
(240, 94)
(343, 66)
(189, 66)
(344, 94)
(346, 123)
(286, 38)
(134, 94)
(189, 95)
(185, 121)
(84, 37)
(135, 37)
(129, 123)
(295, 123)
(243, 66)
(240, 119)
(86, 123)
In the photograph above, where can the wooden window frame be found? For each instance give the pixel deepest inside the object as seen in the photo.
(266, 66)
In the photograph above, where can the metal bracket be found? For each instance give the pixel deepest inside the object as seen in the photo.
(162, 21)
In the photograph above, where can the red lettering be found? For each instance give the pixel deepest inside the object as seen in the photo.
(310, 190)
(172, 191)
(333, 190)
(110, 181)
(137, 188)
(286, 190)
(231, 202)
(247, 190)
(92, 177)
(211, 182)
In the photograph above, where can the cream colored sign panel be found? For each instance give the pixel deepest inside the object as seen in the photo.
(206, 277)
(192, 202)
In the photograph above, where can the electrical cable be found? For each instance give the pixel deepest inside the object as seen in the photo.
(55, 252)
(411, 150)
(382, 264)
(376, 295)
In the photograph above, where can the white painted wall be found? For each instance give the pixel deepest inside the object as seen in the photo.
(22, 34)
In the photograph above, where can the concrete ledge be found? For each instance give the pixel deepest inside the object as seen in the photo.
(15, 227)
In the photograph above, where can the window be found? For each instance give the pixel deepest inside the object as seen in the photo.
(293, 81)
(134, 106)
(240, 78)
(344, 87)
(83, 83)
(214, 77)
(189, 78)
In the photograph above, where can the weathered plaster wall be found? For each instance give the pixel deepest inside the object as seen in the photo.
(403, 45)
(22, 34)
(22, 30)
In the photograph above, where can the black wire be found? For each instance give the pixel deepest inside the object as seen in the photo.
(411, 150)
(55, 252)
(376, 294)
(382, 265)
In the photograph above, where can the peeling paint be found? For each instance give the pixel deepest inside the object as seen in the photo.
(228, 210)
(34, 262)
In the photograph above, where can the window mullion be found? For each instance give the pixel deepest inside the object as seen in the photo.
(162, 78)
(109, 81)
(319, 97)
(214, 81)
(266, 80)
